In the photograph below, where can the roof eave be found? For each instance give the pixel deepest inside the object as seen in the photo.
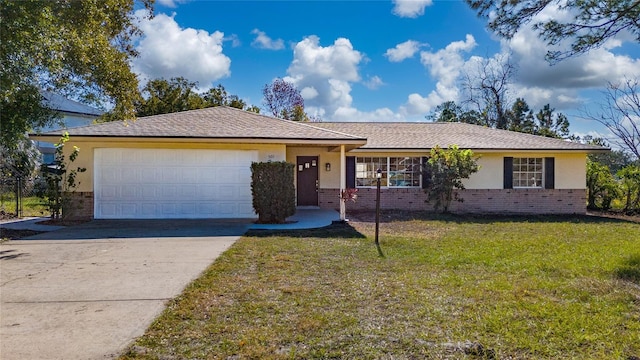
(487, 150)
(53, 137)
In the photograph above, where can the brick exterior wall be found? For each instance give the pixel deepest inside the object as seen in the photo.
(480, 201)
(80, 206)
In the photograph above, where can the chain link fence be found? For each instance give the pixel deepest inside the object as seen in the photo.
(19, 198)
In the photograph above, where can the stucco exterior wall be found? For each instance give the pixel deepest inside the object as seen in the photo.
(266, 152)
(570, 170)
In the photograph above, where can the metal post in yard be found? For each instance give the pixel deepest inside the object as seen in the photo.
(378, 178)
(17, 196)
(19, 208)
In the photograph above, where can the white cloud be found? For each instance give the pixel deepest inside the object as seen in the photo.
(373, 83)
(402, 51)
(378, 115)
(410, 8)
(309, 93)
(444, 66)
(167, 50)
(171, 3)
(262, 41)
(328, 70)
(233, 38)
(540, 83)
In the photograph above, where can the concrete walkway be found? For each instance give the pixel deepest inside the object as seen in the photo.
(305, 218)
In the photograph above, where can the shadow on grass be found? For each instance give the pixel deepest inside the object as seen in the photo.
(630, 270)
(387, 216)
(335, 230)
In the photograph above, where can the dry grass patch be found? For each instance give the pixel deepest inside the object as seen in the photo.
(449, 287)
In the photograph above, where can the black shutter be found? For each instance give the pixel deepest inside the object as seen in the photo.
(549, 173)
(508, 173)
(351, 172)
(426, 176)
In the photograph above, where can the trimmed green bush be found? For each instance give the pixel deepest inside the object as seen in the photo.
(274, 196)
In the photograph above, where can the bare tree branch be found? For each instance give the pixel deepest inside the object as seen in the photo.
(620, 113)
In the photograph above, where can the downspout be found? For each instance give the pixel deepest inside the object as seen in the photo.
(343, 182)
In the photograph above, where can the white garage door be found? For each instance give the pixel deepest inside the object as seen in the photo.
(172, 184)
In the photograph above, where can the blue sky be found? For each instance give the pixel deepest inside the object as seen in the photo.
(366, 60)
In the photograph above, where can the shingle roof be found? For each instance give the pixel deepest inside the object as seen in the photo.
(61, 103)
(426, 135)
(229, 123)
(215, 123)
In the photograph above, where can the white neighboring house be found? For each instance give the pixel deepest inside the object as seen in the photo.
(72, 114)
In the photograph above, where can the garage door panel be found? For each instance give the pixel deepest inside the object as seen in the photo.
(189, 175)
(148, 175)
(148, 210)
(169, 175)
(108, 209)
(131, 192)
(188, 191)
(245, 207)
(229, 175)
(109, 192)
(128, 209)
(169, 192)
(173, 183)
(149, 192)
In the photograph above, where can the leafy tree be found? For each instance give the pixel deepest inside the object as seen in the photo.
(630, 185)
(602, 187)
(218, 96)
(593, 23)
(20, 162)
(71, 47)
(449, 111)
(549, 125)
(518, 118)
(60, 179)
(235, 102)
(284, 100)
(614, 159)
(163, 96)
(445, 169)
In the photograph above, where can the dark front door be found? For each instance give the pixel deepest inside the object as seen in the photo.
(307, 170)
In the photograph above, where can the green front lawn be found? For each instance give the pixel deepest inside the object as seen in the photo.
(449, 287)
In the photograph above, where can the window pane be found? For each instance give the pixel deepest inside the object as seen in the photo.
(396, 171)
(404, 171)
(527, 172)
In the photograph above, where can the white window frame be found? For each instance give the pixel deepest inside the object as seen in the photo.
(366, 167)
(528, 171)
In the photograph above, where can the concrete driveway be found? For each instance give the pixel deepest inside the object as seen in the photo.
(87, 291)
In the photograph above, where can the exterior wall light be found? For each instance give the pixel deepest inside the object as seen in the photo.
(327, 166)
